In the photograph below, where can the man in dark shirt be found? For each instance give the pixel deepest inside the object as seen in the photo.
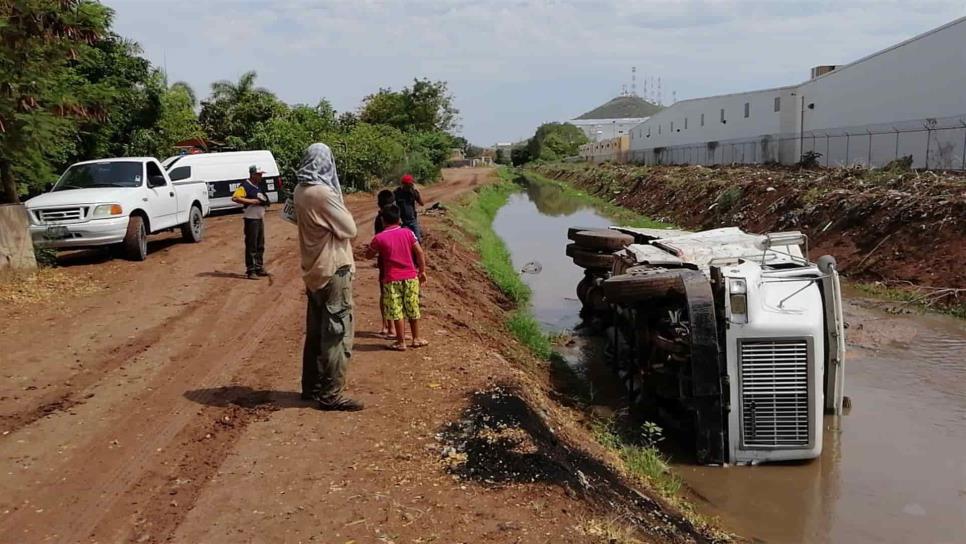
(407, 197)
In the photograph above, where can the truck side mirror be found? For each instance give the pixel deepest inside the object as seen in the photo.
(156, 181)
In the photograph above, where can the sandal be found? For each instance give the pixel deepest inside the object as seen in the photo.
(420, 343)
(396, 346)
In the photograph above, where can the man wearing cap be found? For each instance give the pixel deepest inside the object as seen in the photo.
(407, 197)
(250, 195)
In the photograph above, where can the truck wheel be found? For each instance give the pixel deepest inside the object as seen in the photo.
(589, 259)
(602, 239)
(135, 242)
(194, 230)
(643, 286)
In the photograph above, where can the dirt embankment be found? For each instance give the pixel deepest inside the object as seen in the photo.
(892, 226)
(163, 407)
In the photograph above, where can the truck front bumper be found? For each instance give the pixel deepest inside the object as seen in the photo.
(96, 232)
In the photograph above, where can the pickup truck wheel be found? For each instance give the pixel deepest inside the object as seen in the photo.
(194, 230)
(627, 288)
(135, 242)
(589, 259)
(602, 239)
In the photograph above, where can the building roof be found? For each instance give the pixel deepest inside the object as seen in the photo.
(623, 107)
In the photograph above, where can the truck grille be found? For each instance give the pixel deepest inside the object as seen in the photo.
(774, 393)
(61, 214)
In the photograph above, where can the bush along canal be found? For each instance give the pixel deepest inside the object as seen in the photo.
(892, 469)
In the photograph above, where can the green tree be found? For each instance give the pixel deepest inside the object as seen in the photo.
(137, 90)
(41, 91)
(234, 110)
(553, 142)
(427, 106)
(176, 122)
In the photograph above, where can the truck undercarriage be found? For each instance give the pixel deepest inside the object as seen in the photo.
(718, 335)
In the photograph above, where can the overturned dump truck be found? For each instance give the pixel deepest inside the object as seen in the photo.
(733, 339)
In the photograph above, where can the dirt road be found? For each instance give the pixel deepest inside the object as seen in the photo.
(164, 407)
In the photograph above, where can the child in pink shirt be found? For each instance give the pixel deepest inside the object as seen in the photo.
(403, 266)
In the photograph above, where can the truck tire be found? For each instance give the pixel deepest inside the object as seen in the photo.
(194, 230)
(643, 285)
(589, 259)
(572, 231)
(602, 239)
(135, 244)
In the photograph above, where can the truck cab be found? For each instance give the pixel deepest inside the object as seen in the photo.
(734, 339)
(116, 202)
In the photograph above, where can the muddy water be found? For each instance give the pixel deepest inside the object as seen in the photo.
(893, 469)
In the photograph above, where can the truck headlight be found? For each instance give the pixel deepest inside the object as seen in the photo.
(107, 210)
(738, 293)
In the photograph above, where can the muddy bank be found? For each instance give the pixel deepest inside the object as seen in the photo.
(899, 228)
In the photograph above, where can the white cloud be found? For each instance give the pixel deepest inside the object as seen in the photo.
(514, 64)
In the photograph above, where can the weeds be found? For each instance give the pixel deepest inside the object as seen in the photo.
(476, 218)
(618, 214)
(637, 448)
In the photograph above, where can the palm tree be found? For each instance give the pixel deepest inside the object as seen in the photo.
(187, 90)
(233, 92)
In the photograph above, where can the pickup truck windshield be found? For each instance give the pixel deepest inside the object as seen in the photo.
(101, 174)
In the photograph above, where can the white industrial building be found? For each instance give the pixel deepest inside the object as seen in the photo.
(909, 99)
(615, 118)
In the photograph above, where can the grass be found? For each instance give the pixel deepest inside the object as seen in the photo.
(637, 448)
(936, 300)
(618, 214)
(476, 218)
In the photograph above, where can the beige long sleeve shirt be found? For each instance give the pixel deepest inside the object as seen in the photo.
(326, 230)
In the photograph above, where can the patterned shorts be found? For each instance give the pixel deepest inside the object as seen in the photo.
(400, 299)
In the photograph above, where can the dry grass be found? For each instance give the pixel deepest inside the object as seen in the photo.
(42, 286)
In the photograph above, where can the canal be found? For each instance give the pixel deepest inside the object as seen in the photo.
(893, 470)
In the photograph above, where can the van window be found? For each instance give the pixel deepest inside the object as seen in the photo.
(180, 173)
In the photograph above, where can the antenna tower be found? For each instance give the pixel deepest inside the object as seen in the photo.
(646, 96)
(674, 97)
(660, 95)
(634, 80)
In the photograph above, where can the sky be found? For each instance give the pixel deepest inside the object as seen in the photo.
(512, 65)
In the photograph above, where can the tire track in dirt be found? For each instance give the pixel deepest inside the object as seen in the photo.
(111, 490)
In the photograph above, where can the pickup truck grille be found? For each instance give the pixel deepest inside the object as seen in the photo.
(774, 393)
(50, 215)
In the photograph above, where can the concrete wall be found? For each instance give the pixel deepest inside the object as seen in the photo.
(609, 150)
(906, 100)
(16, 247)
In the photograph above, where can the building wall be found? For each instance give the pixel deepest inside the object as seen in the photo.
(906, 100)
(609, 150)
(607, 128)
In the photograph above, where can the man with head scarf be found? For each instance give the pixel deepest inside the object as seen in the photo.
(407, 197)
(326, 229)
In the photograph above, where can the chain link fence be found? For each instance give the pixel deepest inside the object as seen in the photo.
(937, 143)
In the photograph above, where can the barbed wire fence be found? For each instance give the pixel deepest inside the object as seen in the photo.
(932, 143)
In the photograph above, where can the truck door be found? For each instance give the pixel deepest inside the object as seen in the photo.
(162, 199)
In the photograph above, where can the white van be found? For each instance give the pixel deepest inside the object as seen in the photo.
(223, 172)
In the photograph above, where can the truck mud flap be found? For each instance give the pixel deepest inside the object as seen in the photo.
(707, 396)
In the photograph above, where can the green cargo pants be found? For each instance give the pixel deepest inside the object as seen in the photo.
(328, 338)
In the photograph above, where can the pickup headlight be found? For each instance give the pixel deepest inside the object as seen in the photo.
(738, 293)
(107, 210)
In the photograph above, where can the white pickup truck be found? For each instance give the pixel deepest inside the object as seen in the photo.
(116, 202)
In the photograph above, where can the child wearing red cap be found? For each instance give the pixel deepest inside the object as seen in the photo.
(407, 197)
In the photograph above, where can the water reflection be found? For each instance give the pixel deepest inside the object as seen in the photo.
(893, 470)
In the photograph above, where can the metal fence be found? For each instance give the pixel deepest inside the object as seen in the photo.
(932, 143)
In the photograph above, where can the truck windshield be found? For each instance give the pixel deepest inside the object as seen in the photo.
(101, 174)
